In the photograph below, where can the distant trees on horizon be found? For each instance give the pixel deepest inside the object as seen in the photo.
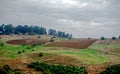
(113, 38)
(31, 30)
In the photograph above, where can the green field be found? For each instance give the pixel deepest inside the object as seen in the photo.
(87, 56)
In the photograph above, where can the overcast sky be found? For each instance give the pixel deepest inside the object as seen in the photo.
(82, 18)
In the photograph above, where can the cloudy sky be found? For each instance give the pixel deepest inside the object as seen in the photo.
(82, 18)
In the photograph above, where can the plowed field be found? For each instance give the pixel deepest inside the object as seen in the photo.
(77, 43)
(28, 41)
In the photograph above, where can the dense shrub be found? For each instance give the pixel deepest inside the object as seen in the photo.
(115, 69)
(57, 69)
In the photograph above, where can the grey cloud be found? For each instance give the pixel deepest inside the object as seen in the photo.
(82, 18)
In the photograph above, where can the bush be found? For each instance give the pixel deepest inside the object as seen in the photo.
(23, 51)
(33, 49)
(115, 69)
(39, 36)
(57, 69)
(19, 52)
(2, 44)
(33, 45)
(47, 71)
(52, 39)
(113, 38)
(40, 54)
(28, 47)
(7, 70)
(89, 38)
(23, 44)
(119, 37)
(17, 72)
(69, 38)
(39, 43)
(102, 38)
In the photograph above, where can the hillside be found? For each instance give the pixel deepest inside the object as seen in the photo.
(95, 58)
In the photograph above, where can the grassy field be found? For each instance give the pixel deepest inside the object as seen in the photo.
(87, 56)
(102, 46)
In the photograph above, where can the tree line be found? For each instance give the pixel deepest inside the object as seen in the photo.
(8, 29)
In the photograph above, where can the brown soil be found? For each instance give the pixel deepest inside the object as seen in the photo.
(77, 43)
(28, 41)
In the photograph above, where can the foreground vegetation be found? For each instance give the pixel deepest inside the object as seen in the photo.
(115, 69)
(57, 69)
(6, 69)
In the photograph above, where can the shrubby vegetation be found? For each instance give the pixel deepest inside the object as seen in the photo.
(40, 54)
(119, 37)
(115, 69)
(19, 52)
(52, 39)
(102, 38)
(57, 69)
(7, 70)
(114, 38)
(2, 44)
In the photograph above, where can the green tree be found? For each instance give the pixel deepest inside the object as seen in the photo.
(8, 29)
(102, 38)
(119, 37)
(52, 32)
(113, 38)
